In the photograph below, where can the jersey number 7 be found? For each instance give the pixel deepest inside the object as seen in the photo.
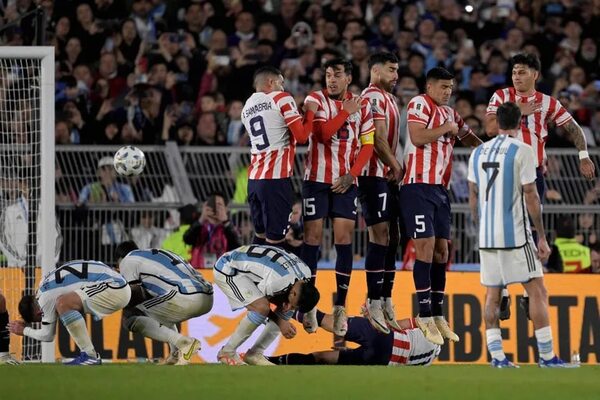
(495, 166)
(83, 274)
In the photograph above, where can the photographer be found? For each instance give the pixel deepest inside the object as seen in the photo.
(212, 234)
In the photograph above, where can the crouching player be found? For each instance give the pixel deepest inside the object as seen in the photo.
(406, 346)
(166, 290)
(73, 289)
(255, 277)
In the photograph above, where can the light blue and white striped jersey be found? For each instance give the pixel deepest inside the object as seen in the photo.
(160, 271)
(500, 168)
(72, 276)
(271, 268)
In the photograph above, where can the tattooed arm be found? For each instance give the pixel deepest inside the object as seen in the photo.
(586, 165)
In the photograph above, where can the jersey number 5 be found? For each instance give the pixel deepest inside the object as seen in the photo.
(495, 166)
(258, 130)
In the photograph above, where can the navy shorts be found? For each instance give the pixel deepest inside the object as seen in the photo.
(375, 347)
(318, 201)
(378, 200)
(425, 211)
(270, 203)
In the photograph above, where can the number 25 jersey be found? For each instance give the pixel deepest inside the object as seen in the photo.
(266, 117)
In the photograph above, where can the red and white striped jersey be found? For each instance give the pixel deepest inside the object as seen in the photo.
(384, 107)
(534, 127)
(430, 163)
(325, 162)
(266, 117)
(411, 348)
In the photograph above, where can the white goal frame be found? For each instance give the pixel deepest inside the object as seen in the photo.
(47, 217)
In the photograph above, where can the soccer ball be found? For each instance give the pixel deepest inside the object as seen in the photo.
(129, 161)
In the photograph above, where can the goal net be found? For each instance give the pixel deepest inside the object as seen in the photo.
(27, 221)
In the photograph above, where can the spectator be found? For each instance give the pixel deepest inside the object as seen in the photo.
(235, 128)
(595, 255)
(146, 234)
(174, 241)
(208, 130)
(212, 234)
(106, 189)
(575, 257)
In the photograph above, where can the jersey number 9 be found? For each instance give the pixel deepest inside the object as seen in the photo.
(258, 130)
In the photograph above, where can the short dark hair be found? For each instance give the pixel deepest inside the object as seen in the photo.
(529, 59)
(508, 116)
(125, 248)
(267, 70)
(309, 297)
(382, 57)
(345, 64)
(565, 227)
(439, 74)
(27, 308)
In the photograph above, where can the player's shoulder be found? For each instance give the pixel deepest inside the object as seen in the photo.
(317, 95)
(504, 94)
(279, 96)
(373, 92)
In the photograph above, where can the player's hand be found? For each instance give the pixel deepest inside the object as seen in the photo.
(395, 173)
(529, 108)
(342, 184)
(288, 330)
(16, 327)
(450, 127)
(311, 106)
(543, 250)
(587, 169)
(351, 105)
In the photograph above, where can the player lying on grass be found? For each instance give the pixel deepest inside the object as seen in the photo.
(5, 357)
(255, 277)
(165, 291)
(73, 289)
(406, 346)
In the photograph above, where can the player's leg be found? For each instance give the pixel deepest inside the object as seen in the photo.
(5, 357)
(277, 199)
(321, 357)
(256, 214)
(390, 259)
(69, 307)
(374, 198)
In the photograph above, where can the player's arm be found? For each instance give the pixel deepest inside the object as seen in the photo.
(534, 208)
(343, 183)
(586, 165)
(469, 138)
(326, 130)
(44, 334)
(301, 130)
(383, 150)
(420, 135)
(473, 206)
(491, 125)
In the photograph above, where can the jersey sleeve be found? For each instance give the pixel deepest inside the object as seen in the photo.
(366, 118)
(560, 116)
(129, 268)
(377, 103)
(418, 111)
(320, 115)
(47, 304)
(527, 173)
(495, 102)
(471, 169)
(287, 107)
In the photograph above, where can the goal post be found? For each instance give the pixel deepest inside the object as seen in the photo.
(27, 174)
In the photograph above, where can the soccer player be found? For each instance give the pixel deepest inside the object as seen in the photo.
(377, 189)
(537, 110)
(339, 148)
(5, 357)
(255, 277)
(502, 183)
(269, 116)
(166, 290)
(432, 130)
(405, 346)
(67, 292)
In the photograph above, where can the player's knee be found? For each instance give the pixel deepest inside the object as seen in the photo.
(424, 249)
(313, 236)
(260, 306)
(379, 234)
(62, 304)
(440, 257)
(129, 322)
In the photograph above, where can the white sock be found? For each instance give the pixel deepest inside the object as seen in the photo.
(150, 328)
(505, 292)
(172, 347)
(544, 342)
(75, 324)
(245, 329)
(266, 338)
(494, 343)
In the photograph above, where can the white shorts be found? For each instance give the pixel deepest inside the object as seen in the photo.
(101, 300)
(174, 307)
(500, 268)
(239, 289)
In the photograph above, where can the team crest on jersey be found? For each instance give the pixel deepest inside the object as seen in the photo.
(419, 106)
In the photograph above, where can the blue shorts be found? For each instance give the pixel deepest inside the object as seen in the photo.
(378, 200)
(425, 211)
(375, 347)
(270, 202)
(318, 201)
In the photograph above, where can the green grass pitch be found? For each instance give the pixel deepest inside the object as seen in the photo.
(202, 382)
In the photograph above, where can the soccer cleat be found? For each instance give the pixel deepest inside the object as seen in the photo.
(254, 358)
(85, 359)
(309, 322)
(524, 303)
(172, 359)
(555, 362)
(430, 330)
(504, 313)
(444, 329)
(390, 314)
(374, 313)
(503, 364)
(340, 320)
(187, 351)
(229, 358)
(8, 359)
